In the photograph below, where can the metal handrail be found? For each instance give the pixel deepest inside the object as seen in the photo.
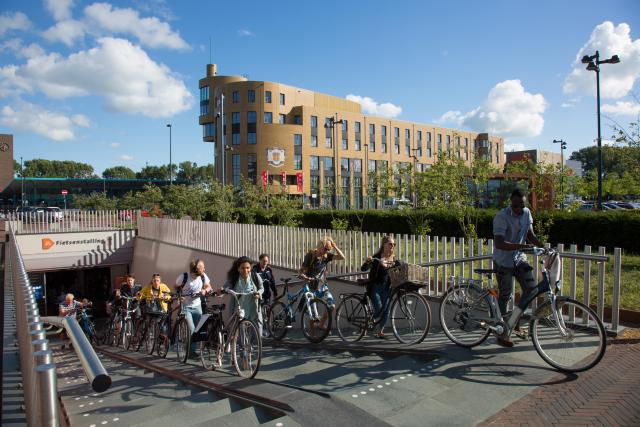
(94, 370)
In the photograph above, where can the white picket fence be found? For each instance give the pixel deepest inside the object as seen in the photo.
(445, 257)
(42, 220)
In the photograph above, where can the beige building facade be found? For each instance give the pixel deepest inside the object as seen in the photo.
(323, 146)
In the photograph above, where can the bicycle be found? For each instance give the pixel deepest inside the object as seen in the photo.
(88, 327)
(312, 308)
(566, 334)
(240, 337)
(121, 325)
(410, 314)
(148, 327)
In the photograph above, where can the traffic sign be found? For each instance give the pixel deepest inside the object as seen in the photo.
(64, 192)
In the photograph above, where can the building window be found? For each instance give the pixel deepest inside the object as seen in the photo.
(252, 167)
(372, 129)
(314, 163)
(407, 146)
(314, 121)
(252, 138)
(383, 131)
(357, 165)
(251, 117)
(235, 139)
(281, 118)
(267, 97)
(357, 145)
(251, 127)
(448, 143)
(396, 147)
(345, 144)
(327, 142)
(439, 143)
(235, 118)
(204, 108)
(235, 170)
(419, 135)
(396, 132)
(251, 96)
(268, 117)
(297, 139)
(372, 138)
(344, 165)
(297, 119)
(235, 128)
(372, 166)
(297, 162)
(204, 93)
(345, 125)
(282, 99)
(328, 164)
(235, 96)
(357, 127)
(208, 130)
(428, 144)
(383, 146)
(314, 140)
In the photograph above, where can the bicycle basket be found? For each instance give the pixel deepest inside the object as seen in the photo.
(399, 274)
(154, 307)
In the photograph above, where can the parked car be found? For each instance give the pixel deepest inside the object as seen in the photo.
(586, 206)
(397, 203)
(610, 206)
(55, 212)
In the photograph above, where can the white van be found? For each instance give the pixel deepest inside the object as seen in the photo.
(397, 203)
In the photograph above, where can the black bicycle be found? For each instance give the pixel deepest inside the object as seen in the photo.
(410, 315)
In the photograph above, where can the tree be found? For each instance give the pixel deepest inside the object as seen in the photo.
(17, 169)
(251, 198)
(285, 211)
(149, 199)
(190, 172)
(118, 172)
(157, 172)
(221, 202)
(181, 200)
(94, 201)
(42, 168)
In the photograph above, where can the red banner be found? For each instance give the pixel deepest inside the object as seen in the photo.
(284, 178)
(299, 181)
(265, 178)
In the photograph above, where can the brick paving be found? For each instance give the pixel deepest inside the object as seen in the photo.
(606, 395)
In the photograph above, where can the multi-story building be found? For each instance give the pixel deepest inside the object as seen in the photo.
(536, 156)
(319, 146)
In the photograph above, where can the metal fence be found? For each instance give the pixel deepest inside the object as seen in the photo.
(42, 220)
(444, 256)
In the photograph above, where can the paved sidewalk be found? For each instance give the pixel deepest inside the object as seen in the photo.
(607, 395)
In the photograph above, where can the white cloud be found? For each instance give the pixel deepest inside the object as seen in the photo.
(50, 124)
(370, 106)
(157, 7)
(116, 69)
(126, 157)
(60, 9)
(571, 102)
(114, 145)
(616, 80)
(149, 31)
(66, 32)
(13, 21)
(514, 147)
(622, 108)
(16, 46)
(508, 111)
(245, 33)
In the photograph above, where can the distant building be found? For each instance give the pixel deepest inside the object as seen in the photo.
(576, 167)
(535, 156)
(6, 160)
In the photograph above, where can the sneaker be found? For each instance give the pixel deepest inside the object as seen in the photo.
(504, 341)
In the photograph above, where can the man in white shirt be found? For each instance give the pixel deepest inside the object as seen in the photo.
(193, 284)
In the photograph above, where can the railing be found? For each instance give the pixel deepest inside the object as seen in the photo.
(43, 220)
(36, 359)
(443, 256)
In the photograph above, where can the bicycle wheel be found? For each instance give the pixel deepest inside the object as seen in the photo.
(163, 341)
(246, 349)
(352, 319)
(277, 322)
(573, 342)
(211, 351)
(266, 311)
(183, 340)
(410, 317)
(141, 334)
(113, 331)
(152, 334)
(127, 333)
(316, 320)
(91, 334)
(462, 311)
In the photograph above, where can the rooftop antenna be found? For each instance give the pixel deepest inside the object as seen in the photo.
(209, 49)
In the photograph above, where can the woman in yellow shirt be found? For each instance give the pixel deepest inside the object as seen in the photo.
(156, 294)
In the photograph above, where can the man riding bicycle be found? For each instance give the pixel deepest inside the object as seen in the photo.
(512, 230)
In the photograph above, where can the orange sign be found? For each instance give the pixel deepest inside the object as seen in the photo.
(47, 244)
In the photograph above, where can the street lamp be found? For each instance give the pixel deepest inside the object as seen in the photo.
(593, 64)
(414, 156)
(333, 121)
(366, 168)
(563, 146)
(170, 163)
(22, 181)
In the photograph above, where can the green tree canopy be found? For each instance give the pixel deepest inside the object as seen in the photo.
(191, 173)
(95, 201)
(42, 168)
(118, 172)
(157, 172)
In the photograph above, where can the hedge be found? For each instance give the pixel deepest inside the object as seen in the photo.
(610, 228)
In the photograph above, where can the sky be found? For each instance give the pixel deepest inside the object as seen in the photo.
(97, 81)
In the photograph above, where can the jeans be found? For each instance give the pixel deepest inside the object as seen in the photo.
(524, 275)
(379, 300)
(193, 315)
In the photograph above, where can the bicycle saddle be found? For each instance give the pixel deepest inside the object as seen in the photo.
(483, 270)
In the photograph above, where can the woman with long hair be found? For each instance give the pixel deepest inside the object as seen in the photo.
(379, 282)
(241, 279)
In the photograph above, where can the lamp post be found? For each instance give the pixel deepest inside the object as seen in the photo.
(366, 168)
(170, 163)
(22, 182)
(563, 146)
(333, 121)
(593, 64)
(414, 156)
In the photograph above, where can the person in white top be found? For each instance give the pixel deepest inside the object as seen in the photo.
(194, 283)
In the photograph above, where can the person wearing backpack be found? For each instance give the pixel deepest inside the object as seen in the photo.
(242, 279)
(193, 284)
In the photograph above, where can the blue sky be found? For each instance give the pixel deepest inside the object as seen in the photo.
(102, 79)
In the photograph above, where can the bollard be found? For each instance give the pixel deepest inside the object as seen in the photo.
(35, 326)
(42, 357)
(40, 345)
(47, 395)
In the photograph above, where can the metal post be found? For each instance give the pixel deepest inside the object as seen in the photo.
(47, 390)
(599, 135)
